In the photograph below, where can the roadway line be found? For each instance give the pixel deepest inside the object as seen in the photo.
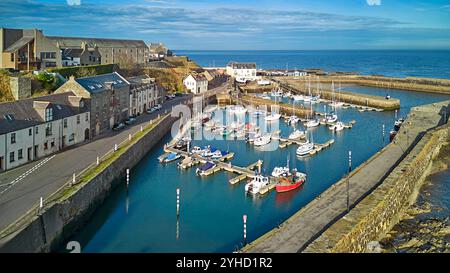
(25, 174)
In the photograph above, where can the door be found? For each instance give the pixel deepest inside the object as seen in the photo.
(36, 151)
(29, 153)
(2, 168)
(63, 144)
(86, 134)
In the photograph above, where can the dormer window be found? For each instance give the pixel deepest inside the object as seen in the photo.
(48, 114)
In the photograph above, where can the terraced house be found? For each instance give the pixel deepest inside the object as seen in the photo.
(108, 96)
(111, 50)
(27, 49)
(144, 94)
(34, 128)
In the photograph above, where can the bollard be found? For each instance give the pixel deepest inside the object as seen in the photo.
(73, 179)
(129, 136)
(178, 202)
(245, 228)
(115, 147)
(41, 204)
(98, 160)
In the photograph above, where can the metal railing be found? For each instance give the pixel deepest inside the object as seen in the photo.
(40, 206)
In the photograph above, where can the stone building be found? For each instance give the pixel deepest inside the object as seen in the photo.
(20, 87)
(85, 55)
(108, 96)
(37, 127)
(27, 49)
(242, 71)
(144, 94)
(111, 50)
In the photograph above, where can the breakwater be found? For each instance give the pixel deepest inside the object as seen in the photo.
(46, 229)
(327, 209)
(286, 109)
(298, 86)
(376, 214)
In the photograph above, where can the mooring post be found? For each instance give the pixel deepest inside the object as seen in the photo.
(178, 202)
(245, 228)
(41, 205)
(348, 179)
(128, 178)
(383, 134)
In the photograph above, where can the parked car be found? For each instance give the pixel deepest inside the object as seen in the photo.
(158, 106)
(130, 121)
(118, 126)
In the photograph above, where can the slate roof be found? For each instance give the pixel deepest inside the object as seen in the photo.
(100, 42)
(73, 52)
(199, 77)
(236, 65)
(97, 84)
(18, 115)
(19, 44)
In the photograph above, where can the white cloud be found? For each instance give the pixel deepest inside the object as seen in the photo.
(73, 2)
(373, 2)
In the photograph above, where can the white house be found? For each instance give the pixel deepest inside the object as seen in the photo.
(144, 94)
(34, 128)
(242, 71)
(196, 83)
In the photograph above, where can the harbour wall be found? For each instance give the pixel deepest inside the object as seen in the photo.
(48, 230)
(378, 212)
(429, 85)
(296, 87)
(286, 109)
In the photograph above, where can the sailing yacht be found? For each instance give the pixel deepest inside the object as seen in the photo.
(297, 134)
(339, 126)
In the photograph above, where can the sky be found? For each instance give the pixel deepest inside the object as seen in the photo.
(242, 25)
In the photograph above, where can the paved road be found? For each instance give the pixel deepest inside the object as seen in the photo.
(47, 175)
(298, 231)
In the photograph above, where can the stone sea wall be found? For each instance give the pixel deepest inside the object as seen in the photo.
(377, 213)
(52, 227)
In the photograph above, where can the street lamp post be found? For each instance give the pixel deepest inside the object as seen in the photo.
(348, 179)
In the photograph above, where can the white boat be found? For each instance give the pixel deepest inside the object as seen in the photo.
(339, 126)
(312, 123)
(257, 183)
(253, 136)
(216, 155)
(281, 171)
(266, 97)
(293, 119)
(210, 124)
(262, 140)
(336, 104)
(237, 109)
(298, 97)
(276, 93)
(307, 99)
(331, 118)
(287, 95)
(296, 134)
(198, 150)
(305, 148)
(258, 113)
(273, 116)
(235, 126)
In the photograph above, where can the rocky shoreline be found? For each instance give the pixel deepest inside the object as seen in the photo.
(425, 226)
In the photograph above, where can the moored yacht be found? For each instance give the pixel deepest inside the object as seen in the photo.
(305, 148)
(257, 183)
(262, 140)
(339, 126)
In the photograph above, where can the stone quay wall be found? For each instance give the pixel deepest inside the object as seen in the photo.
(47, 231)
(377, 213)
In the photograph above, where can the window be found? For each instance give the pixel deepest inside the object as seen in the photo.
(45, 145)
(50, 64)
(72, 137)
(48, 129)
(19, 154)
(12, 57)
(11, 157)
(48, 55)
(13, 138)
(37, 130)
(52, 144)
(30, 132)
(48, 114)
(65, 123)
(87, 117)
(78, 119)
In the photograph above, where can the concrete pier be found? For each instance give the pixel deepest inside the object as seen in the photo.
(310, 222)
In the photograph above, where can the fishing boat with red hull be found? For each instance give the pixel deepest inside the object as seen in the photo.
(290, 183)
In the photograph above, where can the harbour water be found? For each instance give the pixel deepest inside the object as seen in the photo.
(395, 63)
(143, 219)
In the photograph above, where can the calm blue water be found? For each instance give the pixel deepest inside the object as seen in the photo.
(395, 63)
(144, 220)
